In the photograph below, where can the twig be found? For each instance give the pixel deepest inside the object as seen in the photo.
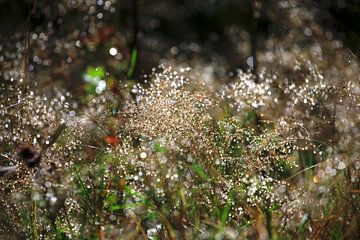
(304, 170)
(13, 105)
(7, 170)
(54, 137)
(97, 123)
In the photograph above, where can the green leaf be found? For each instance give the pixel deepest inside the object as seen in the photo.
(226, 111)
(111, 199)
(200, 172)
(336, 233)
(250, 117)
(225, 212)
(126, 206)
(303, 223)
(132, 63)
(90, 89)
(132, 192)
(159, 148)
(85, 194)
(96, 72)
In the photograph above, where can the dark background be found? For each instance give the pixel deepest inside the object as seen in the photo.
(186, 29)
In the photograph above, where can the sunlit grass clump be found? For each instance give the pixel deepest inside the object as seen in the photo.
(174, 159)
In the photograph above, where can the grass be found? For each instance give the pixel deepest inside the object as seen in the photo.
(166, 169)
